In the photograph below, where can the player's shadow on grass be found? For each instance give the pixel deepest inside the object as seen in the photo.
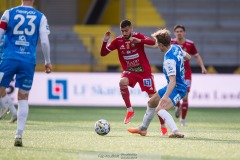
(106, 136)
(149, 136)
(52, 149)
(213, 140)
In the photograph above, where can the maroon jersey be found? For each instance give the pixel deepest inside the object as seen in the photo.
(190, 48)
(131, 55)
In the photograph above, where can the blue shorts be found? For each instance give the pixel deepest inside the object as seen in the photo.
(176, 95)
(24, 73)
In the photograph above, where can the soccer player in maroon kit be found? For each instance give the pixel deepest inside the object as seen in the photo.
(188, 46)
(135, 65)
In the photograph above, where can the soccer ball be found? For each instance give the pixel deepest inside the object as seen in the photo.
(102, 127)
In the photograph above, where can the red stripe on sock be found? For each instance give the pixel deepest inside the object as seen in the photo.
(126, 96)
(184, 109)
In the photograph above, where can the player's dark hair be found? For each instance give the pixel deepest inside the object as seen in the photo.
(125, 23)
(179, 26)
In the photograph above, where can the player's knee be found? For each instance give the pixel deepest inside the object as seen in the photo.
(150, 104)
(158, 109)
(123, 82)
(2, 91)
(153, 102)
(169, 105)
(23, 94)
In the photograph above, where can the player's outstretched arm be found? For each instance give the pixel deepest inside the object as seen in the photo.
(200, 63)
(104, 50)
(106, 36)
(135, 40)
(142, 39)
(151, 46)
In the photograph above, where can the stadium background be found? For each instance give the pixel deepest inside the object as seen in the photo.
(67, 132)
(77, 27)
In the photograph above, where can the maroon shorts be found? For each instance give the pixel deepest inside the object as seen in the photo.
(145, 81)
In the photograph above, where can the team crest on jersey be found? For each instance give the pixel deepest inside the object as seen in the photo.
(133, 44)
(147, 82)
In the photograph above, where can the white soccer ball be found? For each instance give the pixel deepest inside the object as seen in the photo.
(102, 127)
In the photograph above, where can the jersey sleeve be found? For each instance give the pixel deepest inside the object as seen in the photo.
(112, 45)
(141, 36)
(145, 39)
(194, 49)
(107, 48)
(170, 67)
(4, 20)
(44, 27)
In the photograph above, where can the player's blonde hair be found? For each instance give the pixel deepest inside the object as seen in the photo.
(162, 36)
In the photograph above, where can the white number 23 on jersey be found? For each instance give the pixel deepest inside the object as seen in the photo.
(30, 19)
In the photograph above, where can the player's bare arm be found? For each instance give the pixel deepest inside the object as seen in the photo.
(48, 68)
(104, 51)
(164, 102)
(200, 63)
(151, 46)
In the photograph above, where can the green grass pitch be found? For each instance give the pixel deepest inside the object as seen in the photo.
(67, 133)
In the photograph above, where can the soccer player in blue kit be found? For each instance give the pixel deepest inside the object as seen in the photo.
(22, 26)
(10, 105)
(173, 92)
